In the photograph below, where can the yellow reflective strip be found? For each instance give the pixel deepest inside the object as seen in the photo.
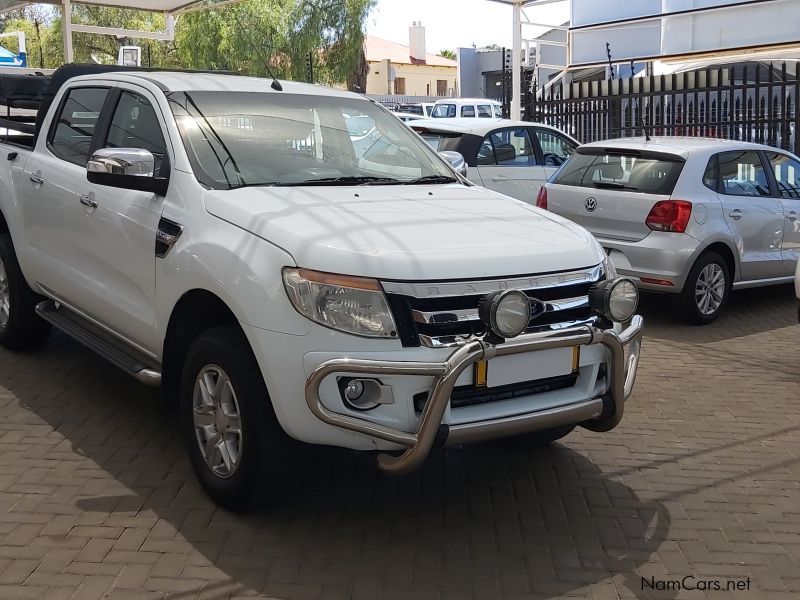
(481, 373)
(576, 358)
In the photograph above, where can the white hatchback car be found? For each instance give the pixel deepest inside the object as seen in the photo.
(514, 158)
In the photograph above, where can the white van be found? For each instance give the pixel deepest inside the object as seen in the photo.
(467, 108)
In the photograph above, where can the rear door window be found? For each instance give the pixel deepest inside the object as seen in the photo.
(444, 111)
(649, 173)
(73, 130)
(787, 174)
(467, 111)
(742, 173)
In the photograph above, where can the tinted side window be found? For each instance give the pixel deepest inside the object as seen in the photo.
(467, 111)
(71, 134)
(135, 125)
(710, 175)
(556, 148)
(512, 148)
(787, 174)
(741, 173)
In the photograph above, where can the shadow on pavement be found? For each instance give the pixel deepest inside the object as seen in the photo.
(493, 519)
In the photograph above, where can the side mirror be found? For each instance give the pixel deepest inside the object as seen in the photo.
(456, 160)
(127, 168)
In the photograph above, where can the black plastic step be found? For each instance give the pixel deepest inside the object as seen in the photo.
(113, 350)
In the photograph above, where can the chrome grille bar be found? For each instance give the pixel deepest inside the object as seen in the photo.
(471, 314)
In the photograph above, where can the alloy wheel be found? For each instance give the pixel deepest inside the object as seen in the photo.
(710, 289)
(5, 296)
(217, 421)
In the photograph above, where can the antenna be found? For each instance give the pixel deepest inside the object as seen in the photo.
(644, 127)
(276, 85)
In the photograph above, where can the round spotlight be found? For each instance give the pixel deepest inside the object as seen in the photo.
(507, 313)
(616, 299)
(354, 390)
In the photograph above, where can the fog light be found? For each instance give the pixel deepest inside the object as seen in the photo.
(506, 313)
(616, 299)
(354, 390)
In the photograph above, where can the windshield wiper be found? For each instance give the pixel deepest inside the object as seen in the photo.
(612, 185)
(431, 179)
(345, 181)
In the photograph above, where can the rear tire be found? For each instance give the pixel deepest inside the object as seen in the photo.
(706, 290)
(235, 443)
(20, 327)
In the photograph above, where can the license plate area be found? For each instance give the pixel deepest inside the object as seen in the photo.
(528, 366)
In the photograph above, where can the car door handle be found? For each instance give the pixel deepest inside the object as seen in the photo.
(87, 200)
(792, 215)
(36, 179)
(735, 214)
(499, 178)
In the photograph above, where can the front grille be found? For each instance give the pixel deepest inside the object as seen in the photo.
(433, 311)
(471, 396)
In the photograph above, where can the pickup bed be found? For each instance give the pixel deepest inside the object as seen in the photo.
(291, 261)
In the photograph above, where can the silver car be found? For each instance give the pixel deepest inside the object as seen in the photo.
(691, 217)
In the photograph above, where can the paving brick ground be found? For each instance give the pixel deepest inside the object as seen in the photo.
(97, 499)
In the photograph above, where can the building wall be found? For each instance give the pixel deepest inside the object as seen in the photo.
(420, 80)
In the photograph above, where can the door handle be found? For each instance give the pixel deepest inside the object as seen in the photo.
(36, 179)
(87, 200)
(735, 214)
(499, 178)
(792, 216)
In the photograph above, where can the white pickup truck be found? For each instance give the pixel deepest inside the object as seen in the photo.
(232, 240)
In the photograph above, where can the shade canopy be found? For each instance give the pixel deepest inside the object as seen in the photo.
(169, 6)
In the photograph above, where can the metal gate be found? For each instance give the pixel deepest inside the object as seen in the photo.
(749, 102)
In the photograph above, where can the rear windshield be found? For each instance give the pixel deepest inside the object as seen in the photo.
(441, 142)
(648, 173)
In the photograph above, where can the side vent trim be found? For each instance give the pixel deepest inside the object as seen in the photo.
(167, 236)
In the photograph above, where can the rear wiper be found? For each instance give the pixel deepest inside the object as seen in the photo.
(431, 179)
(345, 181)
(613, 185)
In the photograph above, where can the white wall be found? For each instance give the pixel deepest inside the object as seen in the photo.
(764, 24)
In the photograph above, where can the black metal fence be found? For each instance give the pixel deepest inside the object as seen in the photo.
(750, 102)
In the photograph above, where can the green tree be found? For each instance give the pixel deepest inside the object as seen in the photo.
(281, 33)
(448, 54)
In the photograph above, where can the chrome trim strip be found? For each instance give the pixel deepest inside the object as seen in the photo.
(52, 295)
(621, 376)
(477, 288)
(471, 314)
(752, 283)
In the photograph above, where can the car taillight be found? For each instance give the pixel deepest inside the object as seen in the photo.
(669, 215)
(541, 199)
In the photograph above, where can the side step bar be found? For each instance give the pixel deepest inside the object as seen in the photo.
(97, 340)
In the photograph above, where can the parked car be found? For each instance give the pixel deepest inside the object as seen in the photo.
(227, 238)
(691, 217)
(423, 109)
(514, 158)
(467, 108)
(409, 118)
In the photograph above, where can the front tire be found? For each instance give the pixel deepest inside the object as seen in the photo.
(706, 290)
(20, 326)
(234, 441)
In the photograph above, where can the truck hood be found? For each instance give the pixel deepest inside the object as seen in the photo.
(408, 232)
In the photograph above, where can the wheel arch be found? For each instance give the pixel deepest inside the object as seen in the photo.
(726, 253)
(196, 311)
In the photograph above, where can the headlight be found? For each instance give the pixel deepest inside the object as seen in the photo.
(615, 299)
(608, 267)
(351, 304)
(507, 313)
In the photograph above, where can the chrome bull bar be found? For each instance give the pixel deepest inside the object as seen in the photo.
(621, 373)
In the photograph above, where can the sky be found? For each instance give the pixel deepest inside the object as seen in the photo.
(452, 24)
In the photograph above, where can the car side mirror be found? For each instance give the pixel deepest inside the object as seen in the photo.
(127, 168)
(456, 160)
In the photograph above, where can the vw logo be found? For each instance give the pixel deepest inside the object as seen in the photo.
(591, 204)
(538, 308)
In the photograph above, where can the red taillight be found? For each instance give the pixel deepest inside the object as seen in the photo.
(541, 199)
(669, 215)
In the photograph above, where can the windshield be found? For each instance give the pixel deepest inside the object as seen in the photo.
(239, 139)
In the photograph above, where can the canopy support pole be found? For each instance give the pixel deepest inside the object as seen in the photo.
(66, 20)
(516, 64)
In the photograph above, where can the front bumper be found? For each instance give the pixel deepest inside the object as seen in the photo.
(597, 414)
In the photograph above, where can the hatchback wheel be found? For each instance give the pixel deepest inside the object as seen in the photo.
(706, 289)
(236, 446)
